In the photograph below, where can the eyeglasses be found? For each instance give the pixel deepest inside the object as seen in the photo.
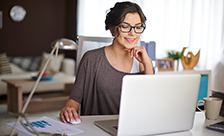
(127, 29)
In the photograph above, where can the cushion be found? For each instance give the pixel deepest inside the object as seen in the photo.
(4, 64)
(28, 63)
(55, 63)
(16, 69)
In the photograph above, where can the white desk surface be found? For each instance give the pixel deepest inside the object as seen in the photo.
(198, 129)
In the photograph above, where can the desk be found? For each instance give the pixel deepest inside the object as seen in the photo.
(198, 129)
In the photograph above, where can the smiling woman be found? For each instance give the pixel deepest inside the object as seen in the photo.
(127, 40)
(99, 77)
(172, 24)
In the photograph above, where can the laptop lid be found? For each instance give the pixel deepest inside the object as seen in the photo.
(156, 104)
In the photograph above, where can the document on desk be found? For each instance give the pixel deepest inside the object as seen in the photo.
(46, 124)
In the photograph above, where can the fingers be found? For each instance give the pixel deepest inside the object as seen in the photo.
(139, 53)
(136, 51)
(62, 117)
(67, 114)
(132, 52)
(76, 116)
(129, 50)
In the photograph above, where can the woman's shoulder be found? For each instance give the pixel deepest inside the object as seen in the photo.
(93, 54)
(95, 51)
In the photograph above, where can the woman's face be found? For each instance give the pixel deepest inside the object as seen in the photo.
(128, 40)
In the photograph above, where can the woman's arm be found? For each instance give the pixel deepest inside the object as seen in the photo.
(148, 68)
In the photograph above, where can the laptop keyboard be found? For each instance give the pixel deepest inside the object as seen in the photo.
(217, 126)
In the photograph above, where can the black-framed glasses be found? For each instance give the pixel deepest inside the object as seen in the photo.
(127, 29)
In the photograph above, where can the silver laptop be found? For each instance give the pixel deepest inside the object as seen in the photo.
(155, 104)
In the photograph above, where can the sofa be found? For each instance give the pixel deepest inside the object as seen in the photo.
(25, 67)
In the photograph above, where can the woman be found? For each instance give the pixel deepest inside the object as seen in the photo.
(98, 82)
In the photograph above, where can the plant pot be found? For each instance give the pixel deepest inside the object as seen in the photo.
(176, 64)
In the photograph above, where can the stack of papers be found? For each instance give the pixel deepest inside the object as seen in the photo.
(46, 124)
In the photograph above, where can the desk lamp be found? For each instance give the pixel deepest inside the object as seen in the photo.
(64, 44)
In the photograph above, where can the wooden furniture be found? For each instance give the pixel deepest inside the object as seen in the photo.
(67, 68)
(46, 97)
(205, 85)
(198, 129)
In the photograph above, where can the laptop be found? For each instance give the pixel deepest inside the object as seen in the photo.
(155, 104)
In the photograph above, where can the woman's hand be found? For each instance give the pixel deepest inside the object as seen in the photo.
(141, 55)
(68, 113)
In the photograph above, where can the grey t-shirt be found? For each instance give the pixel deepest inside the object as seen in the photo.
(98, 85)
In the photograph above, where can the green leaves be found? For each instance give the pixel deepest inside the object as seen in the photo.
(174, 54)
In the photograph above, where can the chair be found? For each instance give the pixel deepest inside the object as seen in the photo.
(85, 44)
(89, 43)
(151, 50)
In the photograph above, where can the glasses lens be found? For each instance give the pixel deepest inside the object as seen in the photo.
(127, 28)
(139, 29)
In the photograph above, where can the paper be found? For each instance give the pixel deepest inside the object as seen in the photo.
(46, 124)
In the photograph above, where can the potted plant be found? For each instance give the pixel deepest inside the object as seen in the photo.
(176, 55)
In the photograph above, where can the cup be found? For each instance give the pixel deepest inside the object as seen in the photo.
(212, 107)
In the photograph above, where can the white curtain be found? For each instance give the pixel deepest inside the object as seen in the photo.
(172, 24)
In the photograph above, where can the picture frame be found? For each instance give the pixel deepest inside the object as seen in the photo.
(166, 64)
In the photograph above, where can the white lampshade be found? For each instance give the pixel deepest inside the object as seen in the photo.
(65, 44)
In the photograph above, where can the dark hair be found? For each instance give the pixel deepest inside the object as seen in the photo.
(117, 14)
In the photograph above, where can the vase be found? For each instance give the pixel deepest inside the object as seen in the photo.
(176, 64)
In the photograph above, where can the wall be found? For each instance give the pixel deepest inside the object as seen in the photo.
(45, 21)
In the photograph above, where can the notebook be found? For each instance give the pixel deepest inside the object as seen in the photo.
(155, 104)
